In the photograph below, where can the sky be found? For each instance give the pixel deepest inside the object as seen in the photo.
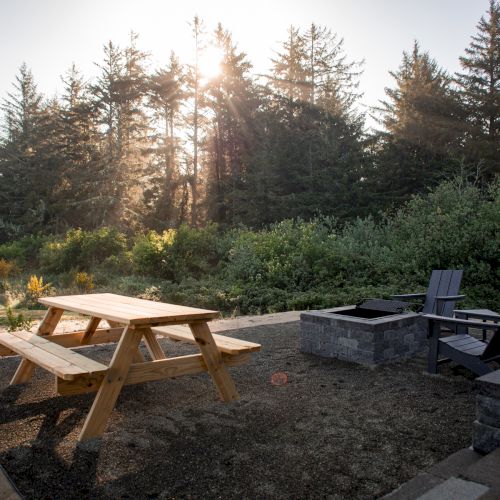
(51, 35)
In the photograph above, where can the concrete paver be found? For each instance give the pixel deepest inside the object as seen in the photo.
(7, 489)
(455, 489)
(486, 471)
(415, 487)
(455, 464)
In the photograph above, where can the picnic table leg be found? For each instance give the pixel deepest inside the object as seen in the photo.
(49, 322)
(110, 388)
(90, 330)
(213, 360)
(138, 357)
(153, 345)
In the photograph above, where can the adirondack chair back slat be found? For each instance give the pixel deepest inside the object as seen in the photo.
(442, 283)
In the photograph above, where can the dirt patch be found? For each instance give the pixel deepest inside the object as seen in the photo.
(336, 429)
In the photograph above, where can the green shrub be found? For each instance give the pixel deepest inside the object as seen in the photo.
(363, 253)
(293, 264)
(192, 253)
(16, 322)
(130, 285)
(289, 255)
(7, 269)
(148, 252)
(119, 264)
(84, 281)
(25, 251)
(455, 226)
(82, 250)
(177, 254)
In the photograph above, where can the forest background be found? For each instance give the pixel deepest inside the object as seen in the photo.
(253, 193)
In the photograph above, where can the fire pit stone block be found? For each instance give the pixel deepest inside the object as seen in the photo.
(334, 333)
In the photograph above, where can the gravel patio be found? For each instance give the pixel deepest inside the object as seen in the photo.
(335, 430)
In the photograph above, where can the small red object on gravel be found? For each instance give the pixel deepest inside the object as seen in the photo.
(279, 378)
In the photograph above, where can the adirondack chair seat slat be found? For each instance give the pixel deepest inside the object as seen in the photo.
(476, 351)
(462, 348)
(459, 340)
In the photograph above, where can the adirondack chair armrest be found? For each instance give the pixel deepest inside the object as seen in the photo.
(448, 298)
(441, 300)
(409, 296)
(464, 322)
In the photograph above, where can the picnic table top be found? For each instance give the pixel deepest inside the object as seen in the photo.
(128, 310)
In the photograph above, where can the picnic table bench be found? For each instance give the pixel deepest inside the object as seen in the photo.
(224, 344)
(60, 361)
(131, 321)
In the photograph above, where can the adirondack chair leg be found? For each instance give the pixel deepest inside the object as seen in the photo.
(434, 330)
(477, 366)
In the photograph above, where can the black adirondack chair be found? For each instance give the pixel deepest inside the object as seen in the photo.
(462, 348)
(441, 295)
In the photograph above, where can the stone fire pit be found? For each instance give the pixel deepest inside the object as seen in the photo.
(362, 335)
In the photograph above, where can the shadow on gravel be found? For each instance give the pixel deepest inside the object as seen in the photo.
(334, 429)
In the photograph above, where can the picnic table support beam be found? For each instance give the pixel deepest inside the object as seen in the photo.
(90, 330)
(49, 322)
(213, 360)
(153, 345)
(110, 388)
(138, 357)
(149, 371)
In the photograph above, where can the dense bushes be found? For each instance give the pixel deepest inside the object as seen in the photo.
(289, 255)
(82, 250)
(293, 264)
(177, 254)
(24, 251)
(455, 226)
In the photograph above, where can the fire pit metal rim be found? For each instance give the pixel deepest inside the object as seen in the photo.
(336, 312)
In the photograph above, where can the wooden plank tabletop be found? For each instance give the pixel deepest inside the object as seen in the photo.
(127, 310)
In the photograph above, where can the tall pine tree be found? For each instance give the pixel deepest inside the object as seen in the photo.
(480, 90)
(232, 103)
(77, 203)
(308, 159)
(166, 95)
(423, 131)
(118, 96)
(24, 171)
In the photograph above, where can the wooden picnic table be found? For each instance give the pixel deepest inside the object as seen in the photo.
(131, 321)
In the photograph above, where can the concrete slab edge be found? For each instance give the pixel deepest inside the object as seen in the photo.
(8, 490)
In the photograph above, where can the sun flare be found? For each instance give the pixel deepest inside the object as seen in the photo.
(210, 63)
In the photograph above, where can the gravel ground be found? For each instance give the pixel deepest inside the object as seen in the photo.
(335, 430)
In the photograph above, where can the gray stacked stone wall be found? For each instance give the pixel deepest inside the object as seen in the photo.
(330, 334)
(486, 428)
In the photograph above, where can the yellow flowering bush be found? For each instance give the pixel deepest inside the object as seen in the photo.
(84, 281)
